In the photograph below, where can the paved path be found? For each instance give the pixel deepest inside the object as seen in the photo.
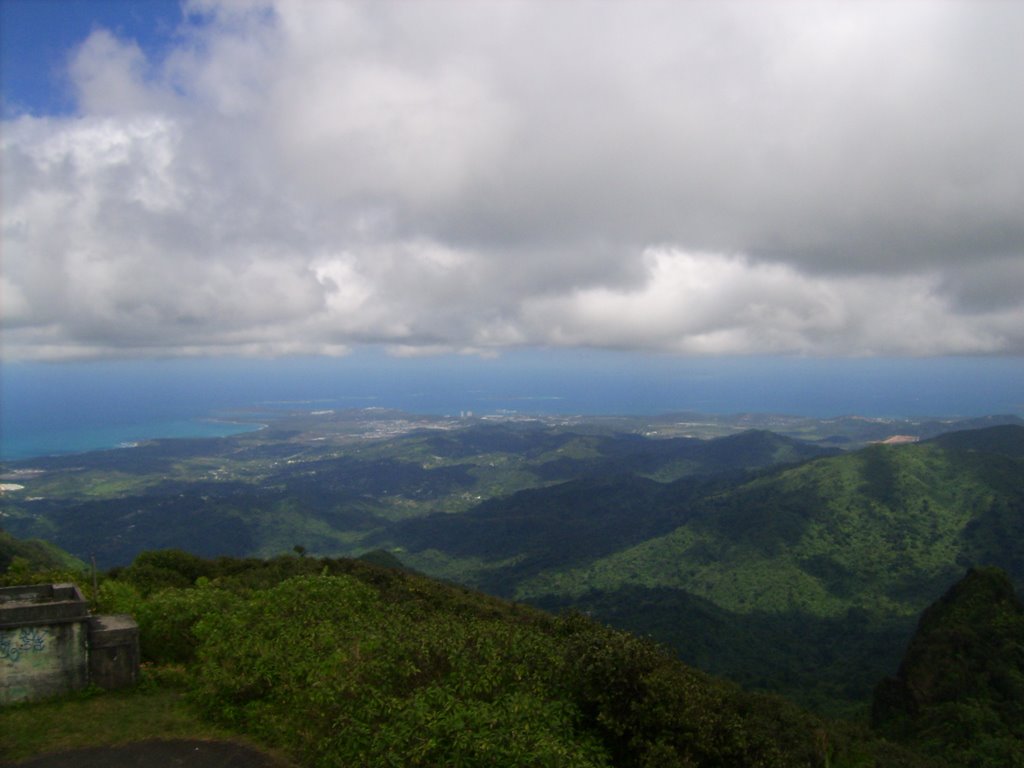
(158, 754)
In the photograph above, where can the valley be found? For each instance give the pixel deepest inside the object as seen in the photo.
(718, 536)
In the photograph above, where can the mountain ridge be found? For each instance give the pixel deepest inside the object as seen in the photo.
(852, 545)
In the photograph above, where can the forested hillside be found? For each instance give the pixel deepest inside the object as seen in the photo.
(826, 563)
(959, 691)
(262, 493)
(33, 555)
(880, 529)
(783, 565)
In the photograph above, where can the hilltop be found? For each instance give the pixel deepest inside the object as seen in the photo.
(959, 690)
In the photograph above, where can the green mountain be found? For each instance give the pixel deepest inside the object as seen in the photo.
(826, 563)
(34, 555)
(614, 500)
(263, 493)
(881, 529)
(1000, 439)
(672, 458)
(959, 691)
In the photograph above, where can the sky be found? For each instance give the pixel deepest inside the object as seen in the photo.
(225, 178)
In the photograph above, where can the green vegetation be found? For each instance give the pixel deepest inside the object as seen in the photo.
(829, 665)
(883, 529)
(154, 710)
(787, 567)
(335, 482)
(22, 562)
(319, 665)
(826, 563)
(341, 662)
(959, 692)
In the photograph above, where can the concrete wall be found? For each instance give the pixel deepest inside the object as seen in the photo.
(43, 660)
(113, 651)
(49, 644)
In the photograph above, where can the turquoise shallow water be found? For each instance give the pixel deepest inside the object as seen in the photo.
(62, 408)
(78, 440)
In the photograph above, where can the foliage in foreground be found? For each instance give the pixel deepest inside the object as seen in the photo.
(344, 663)
(320, 665)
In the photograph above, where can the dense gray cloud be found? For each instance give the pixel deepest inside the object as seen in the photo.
(302, 177)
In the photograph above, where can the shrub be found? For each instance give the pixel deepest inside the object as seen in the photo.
(321, 666)
(167, 620)
(159, 569)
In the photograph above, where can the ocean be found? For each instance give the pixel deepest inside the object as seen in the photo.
(50, 409)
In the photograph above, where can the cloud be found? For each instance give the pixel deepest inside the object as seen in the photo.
(698, 178)
(712, 304)
(109, 76)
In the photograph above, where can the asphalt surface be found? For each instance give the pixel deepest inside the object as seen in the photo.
(157, 754)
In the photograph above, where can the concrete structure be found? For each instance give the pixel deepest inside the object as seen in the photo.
(113, 651)
(49, 644)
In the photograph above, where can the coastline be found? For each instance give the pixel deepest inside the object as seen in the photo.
(72, 441)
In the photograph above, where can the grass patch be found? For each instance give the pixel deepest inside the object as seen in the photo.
(95, 718)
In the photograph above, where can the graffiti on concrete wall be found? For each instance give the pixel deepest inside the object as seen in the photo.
(16, 642)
